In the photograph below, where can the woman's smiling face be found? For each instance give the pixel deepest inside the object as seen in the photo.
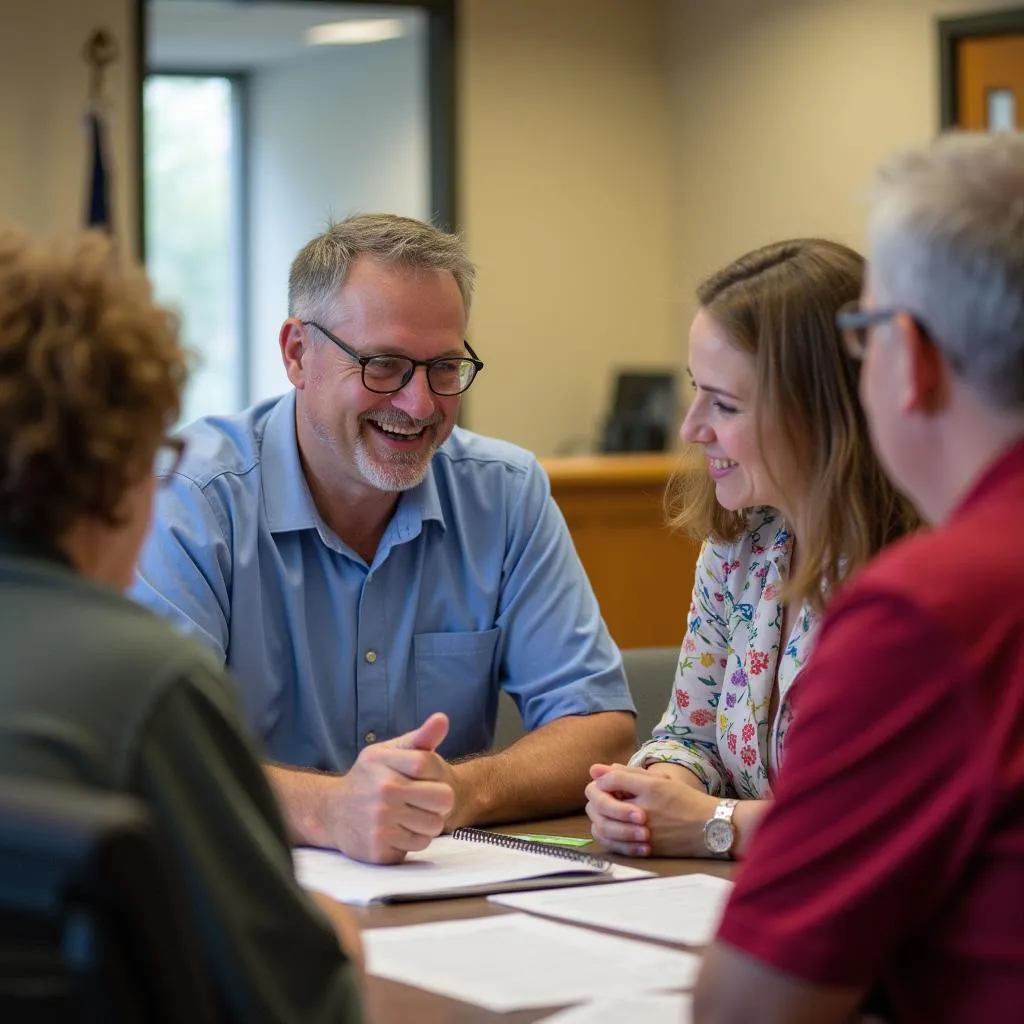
(722, 418)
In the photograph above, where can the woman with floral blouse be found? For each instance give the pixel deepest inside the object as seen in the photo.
(784, 486)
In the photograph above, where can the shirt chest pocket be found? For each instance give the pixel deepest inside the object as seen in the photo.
(454, 674)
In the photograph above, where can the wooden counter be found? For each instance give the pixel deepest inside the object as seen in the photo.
(642, 574)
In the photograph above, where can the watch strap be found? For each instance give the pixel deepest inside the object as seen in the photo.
(724, 810)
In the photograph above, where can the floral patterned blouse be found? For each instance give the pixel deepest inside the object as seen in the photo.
(717, 719)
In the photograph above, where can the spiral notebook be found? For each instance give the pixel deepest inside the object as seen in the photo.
(469, 862)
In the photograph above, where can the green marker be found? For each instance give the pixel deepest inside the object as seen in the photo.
(553, 840)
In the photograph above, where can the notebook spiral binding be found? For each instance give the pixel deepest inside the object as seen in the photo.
(479, 835)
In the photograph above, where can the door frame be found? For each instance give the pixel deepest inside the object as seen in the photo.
(951, 32)
(442, 95)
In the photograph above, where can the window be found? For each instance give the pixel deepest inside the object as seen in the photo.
(328, 130)
(191, 192)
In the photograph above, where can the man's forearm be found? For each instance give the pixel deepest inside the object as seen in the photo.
(345, 928)
(734, 988)
(543, 773)
(300, 794)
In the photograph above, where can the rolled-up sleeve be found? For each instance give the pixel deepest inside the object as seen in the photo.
(557, 655)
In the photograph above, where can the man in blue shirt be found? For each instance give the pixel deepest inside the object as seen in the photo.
(374, 575)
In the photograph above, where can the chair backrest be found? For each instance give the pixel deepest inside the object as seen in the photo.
(91, 923)
(650, 672)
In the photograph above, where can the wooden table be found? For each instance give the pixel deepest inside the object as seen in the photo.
(389, 1002)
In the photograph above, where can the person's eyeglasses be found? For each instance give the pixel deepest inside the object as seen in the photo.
(168, 457)
(856, 323)
(386, 374)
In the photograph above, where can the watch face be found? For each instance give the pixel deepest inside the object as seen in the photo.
(718, 835)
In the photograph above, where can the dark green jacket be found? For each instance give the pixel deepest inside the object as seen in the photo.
(96, 690)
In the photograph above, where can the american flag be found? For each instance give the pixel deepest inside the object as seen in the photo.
(98, 212)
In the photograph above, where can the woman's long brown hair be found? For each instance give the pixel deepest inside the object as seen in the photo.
(778, 304)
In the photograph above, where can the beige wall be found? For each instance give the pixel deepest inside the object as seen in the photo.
(782, 109)
(606, 162)
(565, 135)
(43, 86)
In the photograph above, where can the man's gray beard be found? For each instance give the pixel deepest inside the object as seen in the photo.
(401, 473)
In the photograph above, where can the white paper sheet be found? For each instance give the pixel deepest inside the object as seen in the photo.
(683, 908)
(516, 962)
(447, 864)
(669, 1009)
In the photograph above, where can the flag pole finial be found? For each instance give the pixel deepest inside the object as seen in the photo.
(100, 50)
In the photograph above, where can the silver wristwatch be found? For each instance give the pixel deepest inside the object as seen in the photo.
(719, 831)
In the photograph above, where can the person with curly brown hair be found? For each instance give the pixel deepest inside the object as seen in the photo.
(91, 373)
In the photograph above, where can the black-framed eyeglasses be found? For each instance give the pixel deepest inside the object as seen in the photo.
(169, 453)
(856, 322)
(385, 374)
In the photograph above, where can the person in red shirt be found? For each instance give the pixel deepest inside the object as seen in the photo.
(892, 862)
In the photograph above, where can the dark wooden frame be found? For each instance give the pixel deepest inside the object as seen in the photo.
(441, 99)
(951, 32)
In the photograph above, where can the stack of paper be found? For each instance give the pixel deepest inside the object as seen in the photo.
(448, 867)
(683, 908)
(674, 1009)
(516, 962)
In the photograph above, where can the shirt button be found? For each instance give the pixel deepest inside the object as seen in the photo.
(369, 578)
(371, 656)
(370, 737)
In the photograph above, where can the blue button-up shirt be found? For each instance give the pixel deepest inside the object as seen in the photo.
(475, 587)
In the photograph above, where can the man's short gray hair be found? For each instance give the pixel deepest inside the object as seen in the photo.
(947, 244)
(322, 265)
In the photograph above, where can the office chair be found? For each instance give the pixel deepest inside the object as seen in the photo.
(650, 672)
(91, 926)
